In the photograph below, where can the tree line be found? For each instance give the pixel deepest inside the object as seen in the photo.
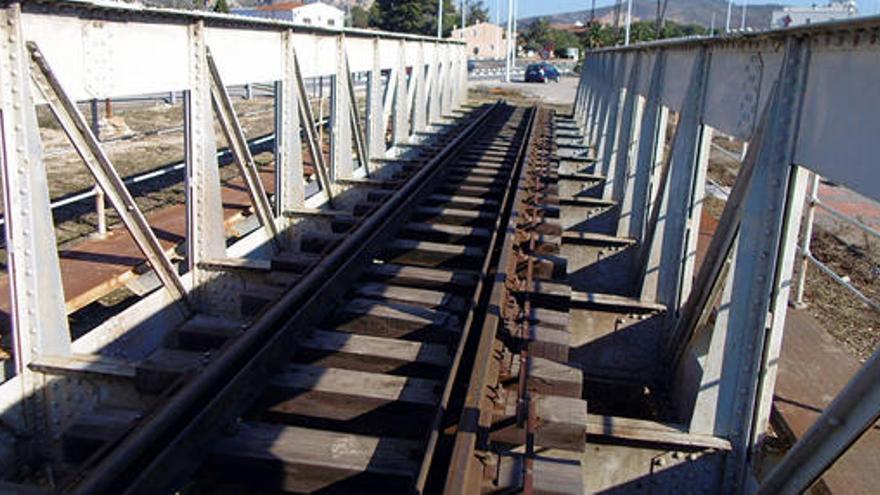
(542, 35)
(415, 16)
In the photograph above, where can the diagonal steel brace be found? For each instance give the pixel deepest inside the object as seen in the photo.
(237, 142)
(89, 149)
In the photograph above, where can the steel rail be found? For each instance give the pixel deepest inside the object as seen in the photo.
(459, 478)
(166, 447)
(482, 294)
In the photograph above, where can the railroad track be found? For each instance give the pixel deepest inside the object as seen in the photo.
(351, 380)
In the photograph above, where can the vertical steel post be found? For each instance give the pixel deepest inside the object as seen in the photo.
(341, 163)
(375, 123)
(434, 86)
(290, 192)
(763, 259)
(627, 142)
(206, 236)
(400, 109)
(419, 83)
(37, 305)
(806, 240)
(661, 274)
(695, 211)
(607, 148)
(100, 203)
(650, 132)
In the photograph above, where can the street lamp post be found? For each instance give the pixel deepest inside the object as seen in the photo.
(629, 11)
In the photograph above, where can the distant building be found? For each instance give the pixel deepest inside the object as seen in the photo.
(484, 40)
(797, 16)
(317, 14)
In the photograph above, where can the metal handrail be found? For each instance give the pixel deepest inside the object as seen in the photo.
(813, 202)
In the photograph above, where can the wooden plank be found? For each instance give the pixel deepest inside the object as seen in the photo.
(548, 377)
(331, 349)
(550, 476)
(560, 423)
(154, 374)
(549, 343)
(233, 264)
(453, 201)
(277, 458)
(474, 191)
(350, 400)
(93, 429)
(443, 233)
(586, 202)
(395, 320)
(643, 430)
(598, 301)
(455, 216)
(203, 333)
(417, 297)
(581, 177)
(424, 278)
(433, 254)
(83, 364)
(595, 239)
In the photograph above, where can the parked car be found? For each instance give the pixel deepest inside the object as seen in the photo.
(542, 72)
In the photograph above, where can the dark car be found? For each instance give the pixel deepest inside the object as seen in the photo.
(542, 72)
(471, 65)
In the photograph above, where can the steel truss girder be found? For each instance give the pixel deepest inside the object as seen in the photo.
(89, 149)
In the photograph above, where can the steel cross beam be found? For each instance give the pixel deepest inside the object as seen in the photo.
(89, 149)
(241, 151)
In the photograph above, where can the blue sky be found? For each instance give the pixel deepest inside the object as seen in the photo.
(528, 8)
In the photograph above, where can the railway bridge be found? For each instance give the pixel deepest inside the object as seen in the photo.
(462, 296)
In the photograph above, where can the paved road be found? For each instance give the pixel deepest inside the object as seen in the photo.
(553, 93)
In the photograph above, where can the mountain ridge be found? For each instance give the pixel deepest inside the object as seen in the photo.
(680, 11)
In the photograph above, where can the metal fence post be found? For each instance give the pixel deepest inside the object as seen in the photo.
(100, 204)
(806, 240)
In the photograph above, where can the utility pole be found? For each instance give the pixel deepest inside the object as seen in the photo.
(729, 7)
(712, 26)
(463, 13)
(513, 52)
(509, 35)
(742, 22)
(439, 18)
(629, 11)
